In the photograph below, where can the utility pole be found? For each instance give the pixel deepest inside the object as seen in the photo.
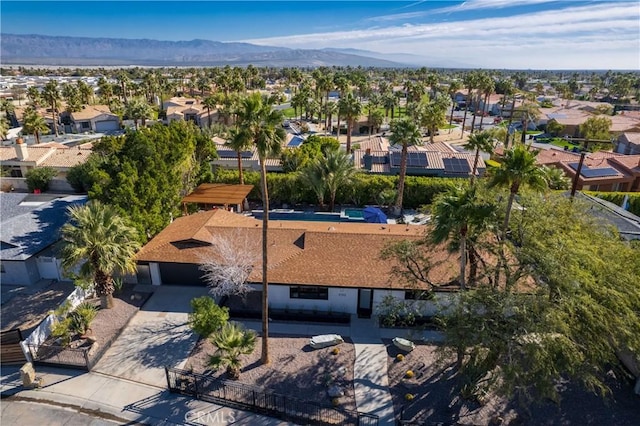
(577, 176)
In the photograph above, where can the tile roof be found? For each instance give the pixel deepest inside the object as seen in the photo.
(25, 233)
(313, 253)
(66, 158)
(92, 111)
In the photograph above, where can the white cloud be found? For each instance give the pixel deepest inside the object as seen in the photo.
(609, 29)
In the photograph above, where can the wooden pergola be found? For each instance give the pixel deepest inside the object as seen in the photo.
(211, 195)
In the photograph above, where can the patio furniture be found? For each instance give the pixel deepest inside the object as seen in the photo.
(325, 340)
(403, 344)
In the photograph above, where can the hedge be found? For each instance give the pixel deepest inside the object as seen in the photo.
(363, 189)
(617, 198)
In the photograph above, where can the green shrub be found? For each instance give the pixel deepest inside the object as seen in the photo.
(39, 178)
(62, 330)
(81, 317)
(207, 317)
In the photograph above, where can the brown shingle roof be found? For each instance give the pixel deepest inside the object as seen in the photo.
(312, 253)
(91, 111)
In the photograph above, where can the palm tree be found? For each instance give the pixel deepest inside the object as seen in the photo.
(33, 94)
(240, 141)
(85, 92)
(350, 108)
(263, 125)
(470, 81)
(518, 168)
(556, 179)
(33, 123)
(138, 109)
(231, 342)
(432, 114)
(210, 102)
(4, 128)
(51, 95)
(405, 132)
(101, 242)
(454, 87)
(456, 214)
(477, 142)
(328, 173)
(123, 81)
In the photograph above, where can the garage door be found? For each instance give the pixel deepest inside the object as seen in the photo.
(181, 274)
(107, 125)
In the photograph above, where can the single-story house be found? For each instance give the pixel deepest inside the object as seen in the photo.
(628, 143)
(188, 109)
(94, 118)
(319, 266)
(601, 171)
(431, 159)
(29, 229)
(20, 158)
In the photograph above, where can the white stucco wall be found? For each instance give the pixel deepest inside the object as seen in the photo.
(340, 300)
(20, 272)
(154, 269)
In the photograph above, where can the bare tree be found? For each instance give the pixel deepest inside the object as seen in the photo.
(229, 263)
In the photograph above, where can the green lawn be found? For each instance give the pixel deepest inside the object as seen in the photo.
(562, 143)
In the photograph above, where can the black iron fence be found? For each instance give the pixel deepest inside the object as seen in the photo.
(57, 355)
(241, 396)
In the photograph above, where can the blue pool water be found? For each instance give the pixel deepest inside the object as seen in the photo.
(348, 215)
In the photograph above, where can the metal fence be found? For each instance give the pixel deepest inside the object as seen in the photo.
(241, 396)
(57, 355)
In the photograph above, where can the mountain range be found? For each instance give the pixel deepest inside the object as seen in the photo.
(33, 49)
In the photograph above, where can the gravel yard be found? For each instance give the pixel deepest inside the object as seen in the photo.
(436, 399)
(296, 370)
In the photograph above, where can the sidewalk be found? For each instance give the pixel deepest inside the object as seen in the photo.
(123, 400)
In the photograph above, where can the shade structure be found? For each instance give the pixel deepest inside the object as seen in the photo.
(374, 215)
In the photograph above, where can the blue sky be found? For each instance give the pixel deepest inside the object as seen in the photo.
(520, 34)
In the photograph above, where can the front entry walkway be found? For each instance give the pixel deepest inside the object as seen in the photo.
(370, 380)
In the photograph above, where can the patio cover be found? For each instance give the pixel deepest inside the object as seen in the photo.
(220, 194)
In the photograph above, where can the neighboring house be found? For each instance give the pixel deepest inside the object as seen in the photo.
(29, 229)
(21, 158)
(628, 143)
(432, 159)
(188, 109)
(601, 171)
(94, 118)
(312, 265)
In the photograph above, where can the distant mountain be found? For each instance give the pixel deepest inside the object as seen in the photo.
(404, 58)
(55, 50)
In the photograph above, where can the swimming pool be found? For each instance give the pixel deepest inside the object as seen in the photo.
(346, 215)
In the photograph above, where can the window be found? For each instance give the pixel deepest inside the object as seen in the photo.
(418, 295)
(85, 125)
(309, 292)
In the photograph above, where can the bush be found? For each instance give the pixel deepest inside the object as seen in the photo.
(61, 329)
(81, 318)
(207, 317)
(409, 397)
(409, 374)
(399, 357)
(335, 402)
(39, 178)
(335, 351)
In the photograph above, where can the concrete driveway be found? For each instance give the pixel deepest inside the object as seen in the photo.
(157, 336)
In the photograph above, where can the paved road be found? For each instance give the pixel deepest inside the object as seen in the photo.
(21, 413)
(157, 336)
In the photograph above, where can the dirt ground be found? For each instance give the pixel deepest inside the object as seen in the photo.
(296, 370)
(436, 399)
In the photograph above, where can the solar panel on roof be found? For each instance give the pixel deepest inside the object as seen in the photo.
(456, 165)
(589, 173)
(227, 153)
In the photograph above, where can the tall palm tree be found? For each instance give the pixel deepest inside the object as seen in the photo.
(456, 214)
(123, 81)
(470, 81)
(518, 169)
(138, 109)
(34, 123)
(240, 141)
(405, 132)
(454, 86)
(101, 242)
(231, 342)
(328, 173)
(33, 95)
(432, 114)
(488, 87)
(51, 94)
(210, 102)
(263, 124)
(477, 142)
(350, 108)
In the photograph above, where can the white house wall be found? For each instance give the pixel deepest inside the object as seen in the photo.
(20, 272)
(340, 299)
